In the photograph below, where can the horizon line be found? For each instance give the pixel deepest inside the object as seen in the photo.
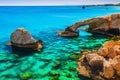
(52, 5)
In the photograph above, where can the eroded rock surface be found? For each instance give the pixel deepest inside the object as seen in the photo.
(101, 64)
(69, 32)
(109, 25)
(22, 39)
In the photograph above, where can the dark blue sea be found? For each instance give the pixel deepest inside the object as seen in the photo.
(57, 60)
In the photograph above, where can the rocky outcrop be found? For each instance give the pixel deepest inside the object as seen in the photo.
(22, 39)
(109, 25)
(110, 49)
(101, 64)
(69, 32)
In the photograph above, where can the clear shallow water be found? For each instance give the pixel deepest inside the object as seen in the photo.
(57, 60)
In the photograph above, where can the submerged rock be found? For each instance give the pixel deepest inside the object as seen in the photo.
(25, 76)
(108, 25)
(101, 64)
(21, 38)
(56, 64)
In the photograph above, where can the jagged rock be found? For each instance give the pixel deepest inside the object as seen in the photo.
(69, 32)
(116, 64)
(101, 64)
(108, 25)
(110, 49)
(108, 71)
(83, 69)
(96, 62)
(22, 39)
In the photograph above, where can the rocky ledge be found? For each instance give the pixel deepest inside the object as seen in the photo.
(108, 25)
(69, 32)
(22, 39)
(101, 64)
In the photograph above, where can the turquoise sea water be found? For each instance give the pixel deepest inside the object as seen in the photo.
(57, 60)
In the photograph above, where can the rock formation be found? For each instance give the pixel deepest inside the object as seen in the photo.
(101, 64)
(22, 39)
(109, 25)
(69, 32)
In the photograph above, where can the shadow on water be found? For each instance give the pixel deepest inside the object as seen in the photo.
(96, 36)
(21, 52)
(99, 36)
(83, 78)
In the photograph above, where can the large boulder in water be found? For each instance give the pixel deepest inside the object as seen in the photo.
(101, 64)
(22, 39)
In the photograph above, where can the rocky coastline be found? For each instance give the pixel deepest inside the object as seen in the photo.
(101, 64)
